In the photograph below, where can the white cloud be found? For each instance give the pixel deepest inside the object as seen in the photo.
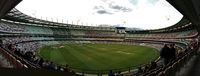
(143, 14)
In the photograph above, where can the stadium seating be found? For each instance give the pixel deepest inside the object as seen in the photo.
(77, 32)
(165, 35)
(37, 30)
(10, 27)
(32, 37)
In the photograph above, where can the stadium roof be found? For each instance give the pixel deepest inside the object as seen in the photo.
(7, 5)
(16, 15)
(189, 8)
(145, 14)
(182, 22)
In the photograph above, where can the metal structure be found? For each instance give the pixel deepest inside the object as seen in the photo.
(6, 6)
(190, 9)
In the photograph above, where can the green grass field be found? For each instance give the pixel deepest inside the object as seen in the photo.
(93, 58)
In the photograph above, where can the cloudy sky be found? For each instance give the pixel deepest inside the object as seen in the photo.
(146, 14)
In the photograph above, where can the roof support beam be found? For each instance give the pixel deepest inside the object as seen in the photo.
(190, 9)
(6, 6)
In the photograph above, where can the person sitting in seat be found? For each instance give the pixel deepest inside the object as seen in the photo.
(41, 61)
(119, 73)
(111, 73)
(140, 70)
(153, 65)
(66, 68)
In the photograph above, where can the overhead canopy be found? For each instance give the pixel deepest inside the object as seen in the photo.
(189, 8)
(7, 5)
(181, 23)
(18, 16)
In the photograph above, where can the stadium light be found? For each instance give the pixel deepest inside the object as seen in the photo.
(82, 23)
(52, 19)
(46, 19)
(78, 21)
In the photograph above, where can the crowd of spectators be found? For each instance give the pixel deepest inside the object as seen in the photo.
(14, 40)
(111, 73)
(27, 51)
(11, 28)
(168, 55)
(31, 57)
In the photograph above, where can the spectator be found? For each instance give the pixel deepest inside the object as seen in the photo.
(153, 65)
(72, 72)
(28, 55)
(180, 54)
(41, 61)
(164, 54)
(10, 47)
(66, 68)
(111, 73)
(45, 64)
(119, 73)
(172, 52)
(17, 51)
(36, 60)
(140, 70)
(59, 68)
(51, 66)
(146, 68)
(1, 42)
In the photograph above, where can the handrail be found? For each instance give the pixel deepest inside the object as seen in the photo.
(171, 68)
(25, 62)
(16, 63)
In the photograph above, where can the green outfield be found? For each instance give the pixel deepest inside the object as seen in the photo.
(94, 58)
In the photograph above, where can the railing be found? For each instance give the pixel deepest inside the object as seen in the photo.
(177, 64)
(126, 70)
(173, 67)
(16, 63)
(27, 64)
